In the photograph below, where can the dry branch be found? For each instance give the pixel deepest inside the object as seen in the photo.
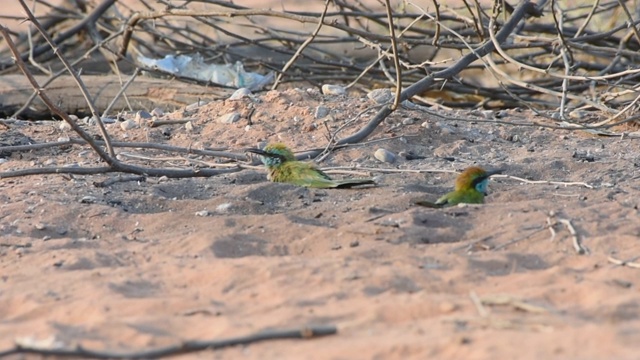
(172, 350)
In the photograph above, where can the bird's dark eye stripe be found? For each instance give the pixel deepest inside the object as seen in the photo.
(478, 180)
(280, 158)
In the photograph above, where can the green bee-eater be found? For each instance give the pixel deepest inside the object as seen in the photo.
(283, 167)
(470, 188)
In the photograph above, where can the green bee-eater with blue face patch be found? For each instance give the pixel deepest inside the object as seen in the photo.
(470, 188)
(283, 167)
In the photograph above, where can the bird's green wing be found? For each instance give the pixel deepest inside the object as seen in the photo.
(301, 174)
(305, 174)
(471, 196)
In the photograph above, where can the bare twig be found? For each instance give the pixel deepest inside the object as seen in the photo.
(172, 350)
(577, 245)
(118, 179)
(396, 57)
(302, 47)
(122, 90)
(74, 74)
(141, 145)
(503, 299)
(482, 311)
(517, 240)
(54, 108)
(524, 8)
(631, 264)
(545, 182)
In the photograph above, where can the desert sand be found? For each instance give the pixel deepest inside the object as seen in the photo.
(138, 265)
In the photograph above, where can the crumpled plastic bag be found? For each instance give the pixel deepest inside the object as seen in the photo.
(194, 67)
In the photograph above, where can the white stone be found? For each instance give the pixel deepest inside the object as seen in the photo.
(329, 89)
(229, 118)
(240, 93)
(381, 96)
(128, 125)
(385, 155)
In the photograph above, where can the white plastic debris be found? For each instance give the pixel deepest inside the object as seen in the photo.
(194, 67)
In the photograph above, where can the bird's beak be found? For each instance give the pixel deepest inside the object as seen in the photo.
(494, 172)
(256, 151)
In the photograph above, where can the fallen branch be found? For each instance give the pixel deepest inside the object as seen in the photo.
(545, 182)
(23, 347)
(524, 8)
(631, 264)
(577, 244)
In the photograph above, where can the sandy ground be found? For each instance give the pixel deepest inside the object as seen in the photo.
(136, 267)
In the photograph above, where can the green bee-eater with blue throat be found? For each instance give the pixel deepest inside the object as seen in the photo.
(283, 167)
(470, 188)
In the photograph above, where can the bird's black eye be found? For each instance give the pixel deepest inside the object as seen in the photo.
(477, 181)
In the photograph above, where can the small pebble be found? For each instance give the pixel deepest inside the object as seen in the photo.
(88, 200)
(157, 112)
(203, 213)
(188, 126)
(142, 116)
(40, 226)
(240, 94)
(195, 105)
(488, 114)
(578, 114)
(408, 121)
(321, 111)
(446, 130)
(354, 243)
(312, 91)
(229, 118)
(556, 115)
(64, 126)
(128, 125)
(381, 96)
(223, 207)
(411, 106)
(328, 89)
(502, 114)
(385, 155)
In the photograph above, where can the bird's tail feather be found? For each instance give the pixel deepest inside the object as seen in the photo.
(349, 183)
(435, 205)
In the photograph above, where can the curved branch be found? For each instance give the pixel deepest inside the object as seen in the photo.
(172, 350)
(523, 9)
